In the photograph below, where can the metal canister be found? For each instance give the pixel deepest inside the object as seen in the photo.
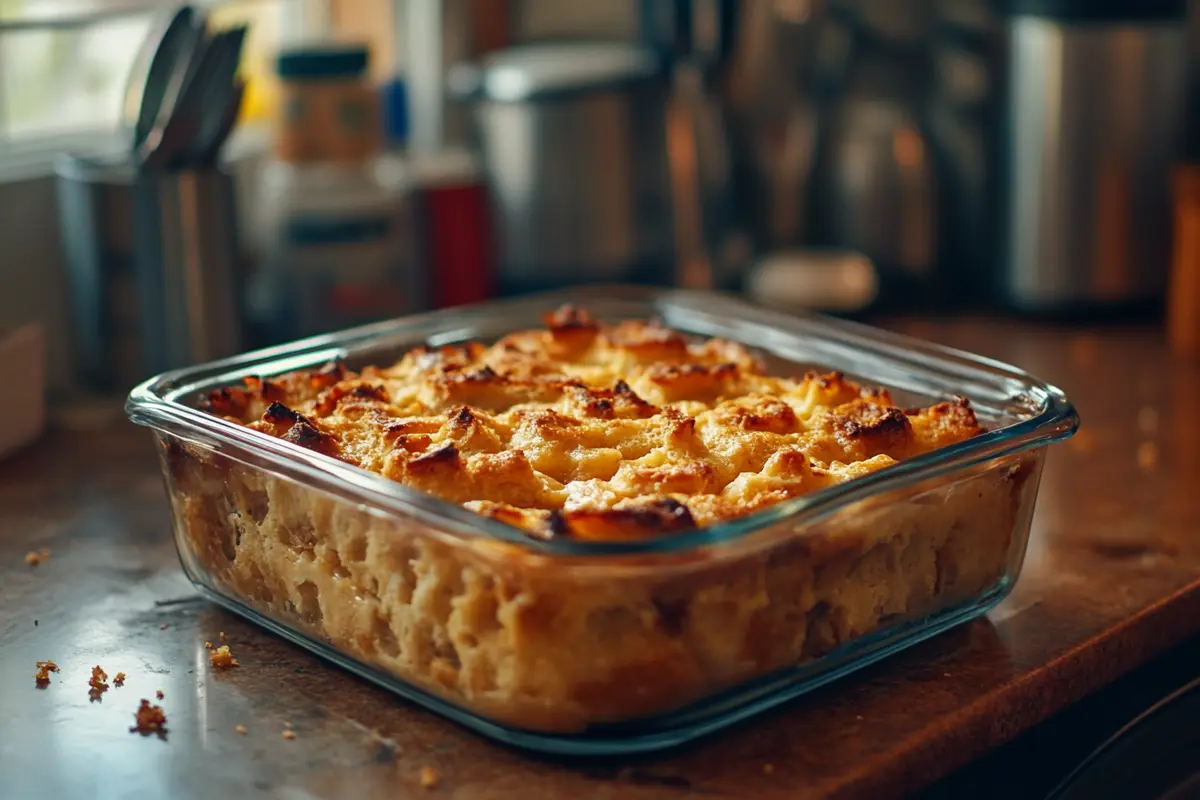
(1093, 123)
(153, 268)
(574, 145)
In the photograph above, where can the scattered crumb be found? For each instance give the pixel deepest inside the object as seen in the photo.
(35, 557)
(221, 657)
(429, 777)
(44, 668)
(162, 627)
(289, 735)
(159, 694)
(208, 645)
(99, 679)
(98, 683)
(119, 680)
(221, 636)
(240, 729)
(150, 719)
(947, 675)
(768, 769)
(287, 723)
(1147, 455)
(859, 718)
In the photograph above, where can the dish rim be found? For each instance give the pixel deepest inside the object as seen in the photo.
(158, 403)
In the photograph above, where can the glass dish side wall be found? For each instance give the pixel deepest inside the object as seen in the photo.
(565, 645)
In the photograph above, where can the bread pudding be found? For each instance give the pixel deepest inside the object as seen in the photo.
(591, 432)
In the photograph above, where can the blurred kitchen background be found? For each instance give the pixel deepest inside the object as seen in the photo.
(179, 185)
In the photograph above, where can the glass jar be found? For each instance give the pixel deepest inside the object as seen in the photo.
(330, 112)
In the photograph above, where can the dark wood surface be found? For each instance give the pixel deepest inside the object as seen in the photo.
(1112, 579)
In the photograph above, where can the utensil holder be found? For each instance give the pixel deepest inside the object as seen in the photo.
(186, 259)
(153, 269)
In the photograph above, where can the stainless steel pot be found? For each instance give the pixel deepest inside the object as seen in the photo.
(574, 142)
(1095, 99)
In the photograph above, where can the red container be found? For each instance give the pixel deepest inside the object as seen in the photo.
(455, 224)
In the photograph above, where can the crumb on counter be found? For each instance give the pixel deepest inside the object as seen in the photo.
(429, 777)
(150, 719)
(162, 627)
(208, 645)
(221, 636)
(119, 680)
(222, 657)
(99, 679)
(768, 769)
(32, 558)
(158, 693)
(241, 729)
(44, 668)
(289, 735)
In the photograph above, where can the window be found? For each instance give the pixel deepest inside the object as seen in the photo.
(60, 80)
(64, 63)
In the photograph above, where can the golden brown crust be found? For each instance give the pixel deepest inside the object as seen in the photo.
(606, 426)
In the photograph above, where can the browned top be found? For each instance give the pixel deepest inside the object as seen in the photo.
(1112, 578)
(599, 432)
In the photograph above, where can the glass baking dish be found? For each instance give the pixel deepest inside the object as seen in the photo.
(607, 647)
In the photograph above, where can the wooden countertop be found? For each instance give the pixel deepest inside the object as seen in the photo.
(1112, 578)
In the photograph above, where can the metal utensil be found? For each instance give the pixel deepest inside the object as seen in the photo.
(139, 74)
(191, 63)
(209, 144)
(220, 98)
(176, 34)
(177, 131)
